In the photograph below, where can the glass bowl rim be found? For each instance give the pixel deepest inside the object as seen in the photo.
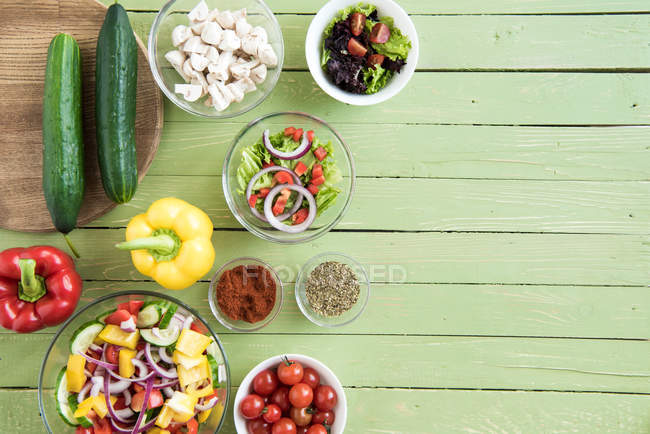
(214, 306)
(153, 48)
(115, 295)
(302, 273)
(231, 202)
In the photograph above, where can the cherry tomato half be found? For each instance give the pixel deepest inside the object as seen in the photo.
(272, 414)
(258, 426)
(311, 378)
(265, 382)
(325, 398)
(301, 395)
(300, 416)
(281, 397)
(284, 426)
(112, 354)
(290, 372)
(251, 406)
(317, 429)
(324, 417)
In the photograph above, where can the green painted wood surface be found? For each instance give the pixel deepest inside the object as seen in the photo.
(503, 210)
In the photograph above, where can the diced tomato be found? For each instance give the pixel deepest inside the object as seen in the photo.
(312, 189)
(297, 135)
(283, 178)
(141, 345)
(264, 192)
(90, 365)
(132, 306)
(102, 426)
(192, 426)
(310, 135)
(300, 168)
(113, 354)
(138, 388)
(82, 430)
(278, 206)
(117, 317)
(320, 153)
(317, 170)
(198, 328)
(300, 216)
(155, 400)
(252, 200)
(318, 181)
(269, 164)
(119, 404)
(289, 131)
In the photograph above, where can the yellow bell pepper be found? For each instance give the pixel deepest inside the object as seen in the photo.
(198, 373)
(171, 243)
(185, 361)
(115, 335)
(192, 343)
(193, 389)
(96, 403)
(126, 364)
(204, 415)
(74, 373)
(165, 416)
(183, 406)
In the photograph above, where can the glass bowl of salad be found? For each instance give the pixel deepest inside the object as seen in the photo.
(362, 53)
(134, 359)
(288, 177)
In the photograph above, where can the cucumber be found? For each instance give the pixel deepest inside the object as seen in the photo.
(84, 336)
(149, 315)
(62, 403)
(63, 147)
(214, 369)
(83, 420)
(168, 336)
(103, 316)
(115, 94)
(167, 317)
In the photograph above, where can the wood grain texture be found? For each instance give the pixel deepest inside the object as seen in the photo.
(25, 35)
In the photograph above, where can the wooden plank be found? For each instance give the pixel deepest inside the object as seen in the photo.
(440, 205)
(403, 257)
(458, 7)
(423, 411)
(496, 42)
(416, 361)
(440, 151)
(472, 98)
(457, 309)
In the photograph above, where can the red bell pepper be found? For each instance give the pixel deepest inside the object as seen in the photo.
(39, 288)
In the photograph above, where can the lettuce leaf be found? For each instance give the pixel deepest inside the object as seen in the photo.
(376, 79)
(252, 158)
(343, 14)
(325, 198)
(397, 46)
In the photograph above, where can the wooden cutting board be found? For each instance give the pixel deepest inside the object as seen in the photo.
(26, 30)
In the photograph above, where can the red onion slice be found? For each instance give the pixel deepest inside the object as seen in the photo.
(127, 397)
(160, 371)
(142, 368)
(94, 391)
(251, 183)
(128, 325)
(107, 397)
(145, 405)
(208, 405)
(109, 366)
(133, 380)
(162, 352)
(84, 391)
(305, 146)
(168, 391)
(276, 221)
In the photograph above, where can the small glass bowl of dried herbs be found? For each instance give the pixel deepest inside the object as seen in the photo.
(332, 289)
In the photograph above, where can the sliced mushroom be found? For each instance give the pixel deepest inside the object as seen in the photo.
(246, 84)
(199, 79)
(260, 32)
(221, 67)
(211, 78)
(249, 44)
(180, 34)
(197, 28)
(225, 91)
(176, 59)
(190, 92)
(236, 91)
(219, 102)
(267, 55)
(239, 70)
(241, 13)
(226, 19)
(211, 33)
(199, 62)
(199, 13)
(212, 15)
(258, 74)
(195, 45)
(229, 41)
(242, 28)
(187, 68)
(212, 54)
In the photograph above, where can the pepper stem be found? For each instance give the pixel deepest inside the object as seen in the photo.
(31, 286)
(163, 244)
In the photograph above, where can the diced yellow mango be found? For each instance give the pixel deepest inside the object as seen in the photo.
(186, 361)
(193, 389)
(204, 415)
(115, 335)
(182, 405)
(164, 417)
(126, 362)
(192, 343)
(74, 373)
(84, 407)
(198, 373)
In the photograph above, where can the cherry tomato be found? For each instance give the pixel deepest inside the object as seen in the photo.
(357, 23)
(273, 413)
(301, 429)
(284, 426)
(155, 400)
(356, 48)
(325, 417)
(281, 397)
(300, 416)
(301, 395)
(82, 430)
(380, 33)
(290, 372)
(317, 429)
(258, 426)
(251, 406)
(375, 59)
(325, 398)
(112, 354)
(265, 382)
(311, 378)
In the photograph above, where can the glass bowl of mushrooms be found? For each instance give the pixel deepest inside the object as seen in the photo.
(216, 58)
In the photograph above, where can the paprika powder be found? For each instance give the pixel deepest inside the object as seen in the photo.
(246, 293)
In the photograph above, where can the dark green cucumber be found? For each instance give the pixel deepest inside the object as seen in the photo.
(115, 91)
(63, 147)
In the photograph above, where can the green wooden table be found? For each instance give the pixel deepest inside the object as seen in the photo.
(503, 207)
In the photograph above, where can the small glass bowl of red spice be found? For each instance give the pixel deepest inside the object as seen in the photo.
(245, 294)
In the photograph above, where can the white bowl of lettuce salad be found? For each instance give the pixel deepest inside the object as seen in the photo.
(380, 84)
(324, 170)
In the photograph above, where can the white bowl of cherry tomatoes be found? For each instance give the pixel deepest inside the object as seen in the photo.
(292, 394)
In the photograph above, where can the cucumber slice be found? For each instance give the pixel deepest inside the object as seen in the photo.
(83, 420)
(149, 315)
(167, 317)
(214, 368)
(62, 404)
(103, 316)
(84, 336)
(168, 336)
(213, 348)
